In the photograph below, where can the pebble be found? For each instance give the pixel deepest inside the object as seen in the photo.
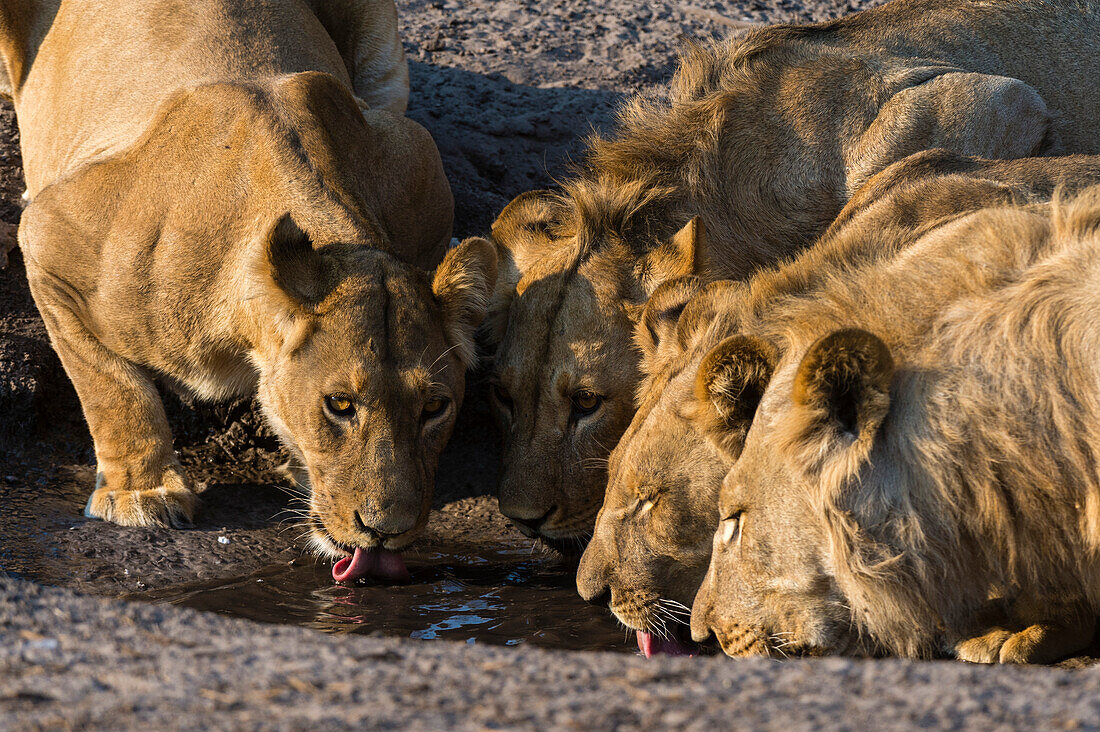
(223, 539)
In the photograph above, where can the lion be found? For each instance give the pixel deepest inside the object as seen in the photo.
(225, 198)
(919, 475)
(703, 378)
(764, 138)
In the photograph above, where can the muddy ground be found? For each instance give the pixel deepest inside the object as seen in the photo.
(508, 88)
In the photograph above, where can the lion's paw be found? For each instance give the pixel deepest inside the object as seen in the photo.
(171, 504)
(1039, 643)
(985, 648)
(1043, 643)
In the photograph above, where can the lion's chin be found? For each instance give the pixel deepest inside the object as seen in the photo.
(569, 548)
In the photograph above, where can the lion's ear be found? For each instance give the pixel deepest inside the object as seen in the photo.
(656, 324)
(522, 234)
(841, 395)
(293, 266)
(993, 117)
(462, 284)
(729, 385)
(680, 256)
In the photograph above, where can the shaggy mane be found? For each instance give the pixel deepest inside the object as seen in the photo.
(992, 437)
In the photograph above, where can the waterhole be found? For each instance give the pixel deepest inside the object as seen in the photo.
(473, 580)
(505, 597)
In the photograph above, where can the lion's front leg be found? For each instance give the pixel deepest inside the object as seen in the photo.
(139, 480)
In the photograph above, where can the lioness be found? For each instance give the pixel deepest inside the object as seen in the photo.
(764, 137)
(225, 197)
(704, 378)
(923, 449)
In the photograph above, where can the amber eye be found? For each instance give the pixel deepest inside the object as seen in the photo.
(339, 405)
(586, 402)
(434, 407)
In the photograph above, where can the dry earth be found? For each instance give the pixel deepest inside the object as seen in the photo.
(508, 89)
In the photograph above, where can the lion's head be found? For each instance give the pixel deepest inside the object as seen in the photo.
(565, 370)
(878, 505)
(365, 377)
(771, 587)
(651, 544)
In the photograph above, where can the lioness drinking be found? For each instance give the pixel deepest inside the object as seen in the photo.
(765, 138)
(920, 473)
(704, 377)
(226, 198)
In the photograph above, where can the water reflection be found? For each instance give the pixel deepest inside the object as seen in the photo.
(504, 597)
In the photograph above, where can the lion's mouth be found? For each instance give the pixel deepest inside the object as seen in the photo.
(376, 563)
(660, 628)
(570, 548)
(654, 645)
(354, 563)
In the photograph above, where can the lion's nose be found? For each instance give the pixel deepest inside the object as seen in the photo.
(700, 627)
(379, 534)
(592, 583)
(601, 597)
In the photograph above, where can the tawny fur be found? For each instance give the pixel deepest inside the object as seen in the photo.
(226, 199)
(696, 400)
(956, 468)
(764, 137)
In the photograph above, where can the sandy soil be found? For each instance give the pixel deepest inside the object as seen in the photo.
(508, 88)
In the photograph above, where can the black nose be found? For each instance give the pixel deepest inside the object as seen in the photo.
(372, 532)
(535, 523)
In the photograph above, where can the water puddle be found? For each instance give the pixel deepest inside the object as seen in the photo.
(507, 597)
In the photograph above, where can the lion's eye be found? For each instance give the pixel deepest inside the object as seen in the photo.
(586, 402)
(434, 407)
(731, 528)
(339, 405)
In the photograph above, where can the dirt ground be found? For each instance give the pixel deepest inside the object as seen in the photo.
(508, 88)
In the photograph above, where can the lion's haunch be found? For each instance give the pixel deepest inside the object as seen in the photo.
(376, 563)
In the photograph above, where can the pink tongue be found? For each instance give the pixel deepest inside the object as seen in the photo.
(377, 563)
(651, 646)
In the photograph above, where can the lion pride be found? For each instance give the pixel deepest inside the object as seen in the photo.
(704, 376)
(226, 199)
(920, 473)
(764, 138)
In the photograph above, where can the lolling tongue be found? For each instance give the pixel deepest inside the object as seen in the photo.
(377, 563)
(651, 646)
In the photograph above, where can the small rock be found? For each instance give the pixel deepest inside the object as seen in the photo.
(223, 539)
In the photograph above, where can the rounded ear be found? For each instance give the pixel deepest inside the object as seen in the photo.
(844, 382)
(523, 230)
(462, 284)
(293, 268)
(729, 385)
(522, 234)
(841, 395)
(656, 324)
(680, 256)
